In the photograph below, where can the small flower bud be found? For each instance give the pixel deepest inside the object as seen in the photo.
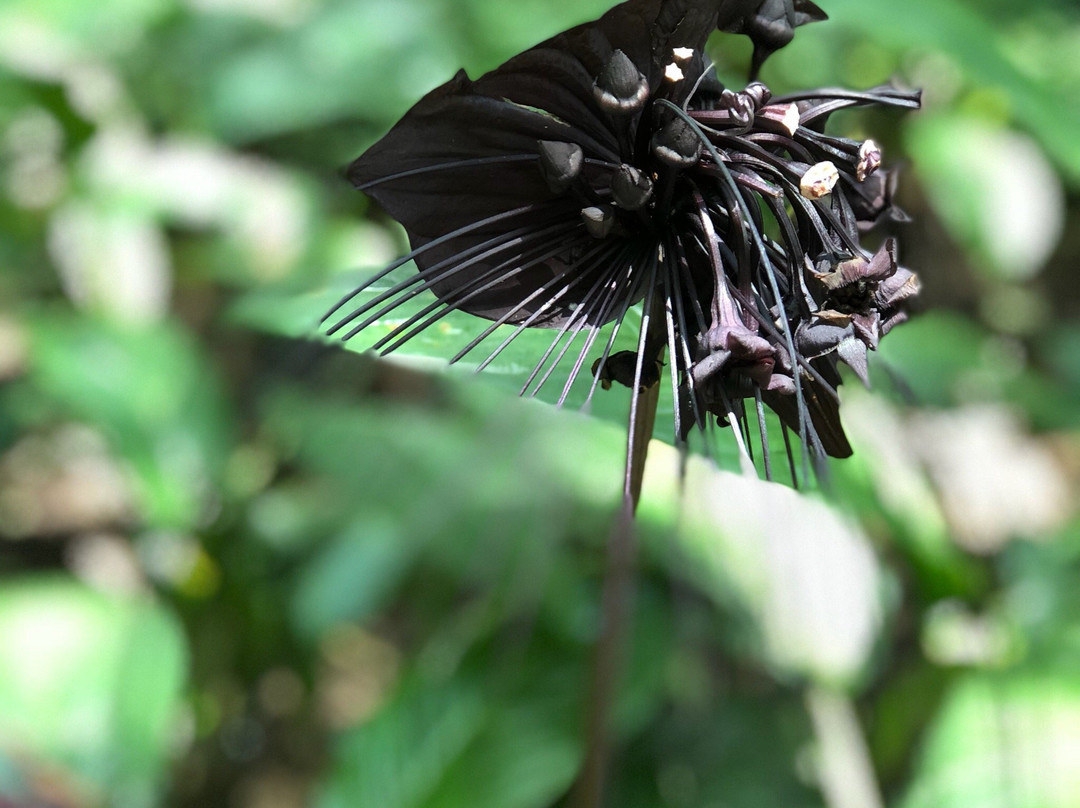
(739, 107)
(560, 163)
(621, 88)
(677, 144)
(631, 188)
(869, 160)
(758, 93)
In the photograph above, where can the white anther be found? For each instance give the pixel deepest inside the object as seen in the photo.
(819, 180)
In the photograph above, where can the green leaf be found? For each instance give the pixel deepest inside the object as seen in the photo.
(494, 736)
(525, 757)
(294, 314)
(738, 751)
(954, 28)
(333, 67)
(1003, 742)
(944, 357)
(805, 575)
(154, 395)
(90, 682)
(1002, 202)
(351, 577)
(397, 759)
(70, 28)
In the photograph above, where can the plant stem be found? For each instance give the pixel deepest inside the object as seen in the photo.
(845, 770)
(617, 595)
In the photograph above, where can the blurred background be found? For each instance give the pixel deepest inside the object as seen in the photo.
(241, 568)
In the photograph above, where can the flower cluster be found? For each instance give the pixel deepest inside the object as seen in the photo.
(607, 166)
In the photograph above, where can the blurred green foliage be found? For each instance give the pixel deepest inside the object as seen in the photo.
(241, 567)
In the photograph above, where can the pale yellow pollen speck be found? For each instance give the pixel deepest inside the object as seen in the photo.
(673, 72)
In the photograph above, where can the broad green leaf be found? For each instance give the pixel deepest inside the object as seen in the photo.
(885, 484)
(945, 358)
(525, 757)
(297, 315)
(351, 577)
(804, 574)
(334, 66)
(91, 683)
(494, 736)
(1002, 202)
(154, 395)
(742, 750)
(397, 759)
(62, 31)
(1003, 742)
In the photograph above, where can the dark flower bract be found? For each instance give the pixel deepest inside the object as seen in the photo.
(608, 167)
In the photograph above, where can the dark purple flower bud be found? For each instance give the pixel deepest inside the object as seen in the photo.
(869, 160)
(677, 144)
(621, 88)
(621, 367)
(631, 188)
(773, 26)
(560, 163)
(758, 93)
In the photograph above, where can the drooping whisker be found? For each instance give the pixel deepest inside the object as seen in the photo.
(735, 423)
(471, 162)
(438, 242)
(785, 142)
(767, 326)
(580, 274)
(636, 280)
(809, 213)
(744, 426)
(639, 366)
(851, 242)
(511, 313)
(845, 216)
(763, 434)
(691, 287)
(687, 363)
(615, 286)
(805, 426)
(885, 96)
(795, 252)
(742, 150)
(673, 356)
(573, 324)
(712, 250)
(754, 182)
(834, 148)
(507, 269)
(443, 271)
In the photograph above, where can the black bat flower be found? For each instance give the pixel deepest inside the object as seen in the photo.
(607, 166)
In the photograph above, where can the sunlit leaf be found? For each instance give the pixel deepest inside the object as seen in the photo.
(1003, 742)
(90, 682)
(155, 396)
